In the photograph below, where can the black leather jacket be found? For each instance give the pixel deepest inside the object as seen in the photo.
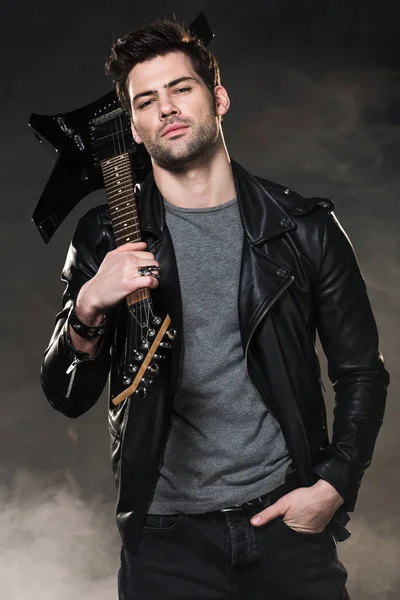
(298, 275)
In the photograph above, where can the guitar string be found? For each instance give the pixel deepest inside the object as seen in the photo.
(117, 152)
(137, 235)
(131, 310)
(113, 138)
(142, 322)
(145, 305)
(146, 302)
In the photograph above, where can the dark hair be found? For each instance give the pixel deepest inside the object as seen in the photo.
(157, 39)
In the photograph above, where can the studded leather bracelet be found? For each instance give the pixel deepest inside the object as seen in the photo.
(86, 331)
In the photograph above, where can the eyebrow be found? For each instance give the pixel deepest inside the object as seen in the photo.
(167, 85)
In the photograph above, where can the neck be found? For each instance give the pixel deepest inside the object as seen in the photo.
(205, 184)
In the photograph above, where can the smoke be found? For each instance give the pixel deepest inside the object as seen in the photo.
(371, 557)
(326, 131)
(315, 97)
(54, 544)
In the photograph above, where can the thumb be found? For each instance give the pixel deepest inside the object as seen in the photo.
(268, 514)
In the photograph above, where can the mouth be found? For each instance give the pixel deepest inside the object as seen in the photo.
(174, 130)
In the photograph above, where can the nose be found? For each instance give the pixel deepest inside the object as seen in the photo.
(167, 108)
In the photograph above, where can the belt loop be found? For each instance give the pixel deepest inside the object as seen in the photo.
(266, 500)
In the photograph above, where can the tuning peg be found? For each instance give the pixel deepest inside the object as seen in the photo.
(138, 355)
(156, 320)
(132, 368)
(159, 356)
(153, 368)
(172, 333)
(141, 392)
(147, 380)
(126, 380)
(165, 345)
(151, 332)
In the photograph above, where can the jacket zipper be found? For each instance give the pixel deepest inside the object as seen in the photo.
(266, 309)
(72, 369)
(113, 429)
(321, 383)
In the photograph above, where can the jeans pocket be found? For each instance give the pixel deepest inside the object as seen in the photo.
(302, 533)
(161, 522)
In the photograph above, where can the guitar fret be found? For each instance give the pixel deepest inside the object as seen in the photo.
(127, 236)
(124, 213)
(113, 175)
(124, 204)
(114, 166)
(119, 240)
(124, 224)
(118, 221)
(119, 184)
(126, 192)
(121, 210)
(117, 175)
(116, 160)
(120, 196)
(117, 178)
(125, 228)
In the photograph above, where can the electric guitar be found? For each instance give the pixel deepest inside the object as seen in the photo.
(95, 149)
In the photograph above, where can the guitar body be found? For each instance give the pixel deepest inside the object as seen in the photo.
(77, 171)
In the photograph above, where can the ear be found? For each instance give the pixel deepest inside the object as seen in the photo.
(222, 102)
(135, 134)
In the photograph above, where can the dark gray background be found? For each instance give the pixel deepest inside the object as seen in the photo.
(315, 106)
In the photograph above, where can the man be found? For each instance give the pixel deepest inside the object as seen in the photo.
(228, 486)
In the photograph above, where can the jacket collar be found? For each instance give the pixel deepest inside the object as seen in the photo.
(262, 216)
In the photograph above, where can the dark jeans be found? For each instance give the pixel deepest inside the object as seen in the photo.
(202, 557)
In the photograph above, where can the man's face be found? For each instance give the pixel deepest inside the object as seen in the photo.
(173, 112)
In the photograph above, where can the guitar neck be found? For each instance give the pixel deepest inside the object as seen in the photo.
(119, 184)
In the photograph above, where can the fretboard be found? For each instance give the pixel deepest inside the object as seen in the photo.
(120, 190)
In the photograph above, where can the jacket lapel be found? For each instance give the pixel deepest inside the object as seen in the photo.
(262, 216)
(263, 279)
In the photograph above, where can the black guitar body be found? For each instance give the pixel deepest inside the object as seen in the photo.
(77, 170)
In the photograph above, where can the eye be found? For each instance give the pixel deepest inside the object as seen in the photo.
(185, 89)
(144, 104)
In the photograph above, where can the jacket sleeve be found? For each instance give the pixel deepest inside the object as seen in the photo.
(349, 338)
(73, 393)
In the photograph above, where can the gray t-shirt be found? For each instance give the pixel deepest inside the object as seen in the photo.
(224, 447)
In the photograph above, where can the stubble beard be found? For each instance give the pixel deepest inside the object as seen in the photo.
(177, 154)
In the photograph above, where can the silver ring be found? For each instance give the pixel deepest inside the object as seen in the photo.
(150, 270)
